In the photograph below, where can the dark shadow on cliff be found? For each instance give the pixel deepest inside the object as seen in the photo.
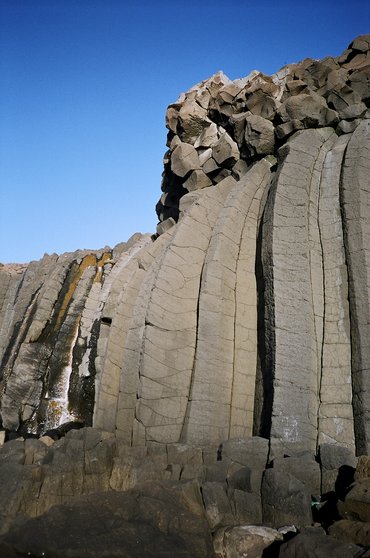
(264, 377)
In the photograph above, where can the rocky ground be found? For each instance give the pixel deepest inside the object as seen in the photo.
(88, 495)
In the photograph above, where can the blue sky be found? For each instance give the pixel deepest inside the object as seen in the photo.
(84, 89)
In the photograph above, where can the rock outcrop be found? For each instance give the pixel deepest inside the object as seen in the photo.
(249, 313)
(224, 362)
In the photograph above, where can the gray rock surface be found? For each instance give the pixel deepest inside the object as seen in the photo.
(308, 545)
(285, 500)
(155, 521)
(260, 289)
(176, 494)
(244, 321)
(245, 540)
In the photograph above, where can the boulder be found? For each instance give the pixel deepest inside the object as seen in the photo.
(246, 506)
(333, 456)
(261, 104)
(312, 545)
(282, 131)
(337, 467)
(244, 540)
(363, 467)
(208, 136)
(356, 532)
(237, 123)
(225, 150)
(12, 452)
(239, 169)
(184, 159)
(347, 127)
(218, 472)
(184, 454)
(310, 109)
(217, 505)
(196, 181)
(357, 502)
(294, 87)
(192, 120)
(172, 116)
(259, 135)
(246, 479)
(355, 110)
(205, 155)
(342, 99)
(220, 175)
(285, 500)
(303, 468)
(210, 166)
(165, 225)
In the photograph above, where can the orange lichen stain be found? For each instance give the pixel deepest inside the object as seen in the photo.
(100, 263)
(77, 272)
(54, 412)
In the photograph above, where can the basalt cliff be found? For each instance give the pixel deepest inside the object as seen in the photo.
(242, 323)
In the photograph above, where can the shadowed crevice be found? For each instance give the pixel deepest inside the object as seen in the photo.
(264, 389)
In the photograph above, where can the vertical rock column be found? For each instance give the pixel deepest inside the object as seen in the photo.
(222, 392)
(294, 372)
(10, 278)
(169, 338)
(115, 318)
(115, 361)
(355, 197)
(335, 389)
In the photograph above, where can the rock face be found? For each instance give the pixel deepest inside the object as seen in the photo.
(248, 313)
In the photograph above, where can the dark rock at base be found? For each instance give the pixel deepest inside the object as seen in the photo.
(363, 468)
(217, 505)
(251, 452)
(285, 500)
(251, 541)
(356, 532)
(246, 507)
(304, 468)
(317, 545)
(357, 502)
(338, 465)
(333, 456)
(157, 520)
(7, 551)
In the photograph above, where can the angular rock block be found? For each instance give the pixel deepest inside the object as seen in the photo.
(285, 500)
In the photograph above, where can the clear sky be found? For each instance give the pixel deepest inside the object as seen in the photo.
(84, 89)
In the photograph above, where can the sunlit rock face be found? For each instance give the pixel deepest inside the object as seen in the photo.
(51, 321)
(249, 312)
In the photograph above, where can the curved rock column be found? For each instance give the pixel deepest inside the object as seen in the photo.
(169, 339)
(289, 296)
(335, 420)
(356, 207)
(221, 399)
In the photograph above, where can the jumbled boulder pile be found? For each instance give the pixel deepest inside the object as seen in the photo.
(220, 126)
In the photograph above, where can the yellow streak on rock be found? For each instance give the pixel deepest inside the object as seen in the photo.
(100, 263)
(88, 260)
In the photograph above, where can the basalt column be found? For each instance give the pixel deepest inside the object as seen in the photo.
(356, 210)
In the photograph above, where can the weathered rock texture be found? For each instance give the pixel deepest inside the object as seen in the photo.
(89, 494)
(250, 311)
